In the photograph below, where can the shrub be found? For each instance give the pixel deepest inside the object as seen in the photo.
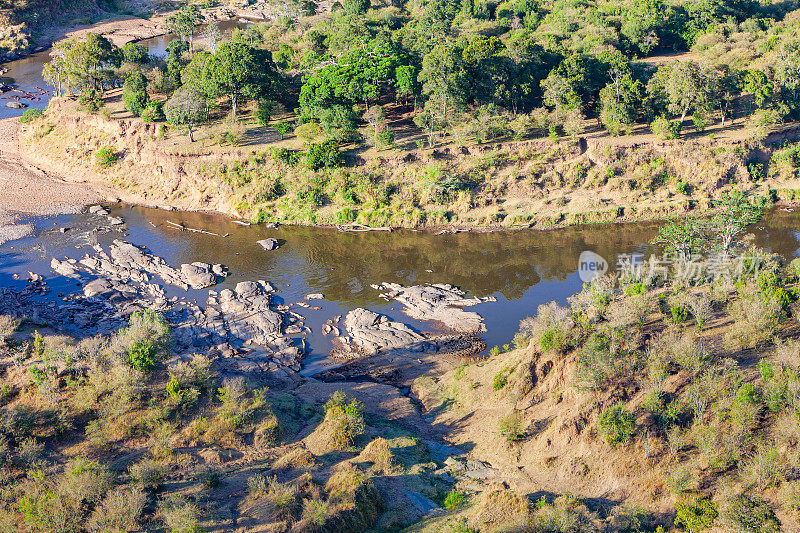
(105, 157)
(454, 499)
(153, 112)
(29, 115)
(264, 113)
(749, 514)
(755, 318)
(180, 515)
(142, 357)
(148, 473)
(134, 93)
(665, 129)
(617, 424)
(146, 326)
(323, 155)
(696, 516)
(762, 468)
(282, 128)
(550, 326)
(314, 512)
(345, 417)
(119, 511)
(511, 427)
(500, 380)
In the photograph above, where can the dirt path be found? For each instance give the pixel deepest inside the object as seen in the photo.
(27, 190)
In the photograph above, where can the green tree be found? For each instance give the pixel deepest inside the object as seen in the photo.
(620, 101)
(684, 86)
(442, 82)
(355, 7)
(186, 107)
(758, 85)
(134, 53)
(239, 72)
(684, 237)
(134, 93)
(83, 65)
(734, 213)
(184, 22)
(406, 83)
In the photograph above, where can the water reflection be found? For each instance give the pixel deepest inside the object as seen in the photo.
(522, 269)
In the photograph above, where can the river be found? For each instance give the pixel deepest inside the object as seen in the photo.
(521, 269)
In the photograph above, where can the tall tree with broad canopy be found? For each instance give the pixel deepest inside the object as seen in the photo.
(239, 72)
(184, 22)
(186, 107)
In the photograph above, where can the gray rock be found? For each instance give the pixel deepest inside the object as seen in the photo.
(438, 303)
(198, 275)
(13, 104)
(483, 473)
(268, 244)
(97, 210)
(116, 221)
(372, 333)
(315, 296)
(65, 268)
(424, 505)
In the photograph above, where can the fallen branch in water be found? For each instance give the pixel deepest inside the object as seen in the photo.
(359, 227)
(184, 228)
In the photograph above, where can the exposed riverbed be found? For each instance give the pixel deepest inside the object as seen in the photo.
(520, 269)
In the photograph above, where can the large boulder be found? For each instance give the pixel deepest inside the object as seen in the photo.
(13, 104)
(268, 244)
(373, 333)
(198, 275)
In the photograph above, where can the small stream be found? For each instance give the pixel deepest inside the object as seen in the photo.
(522, 269)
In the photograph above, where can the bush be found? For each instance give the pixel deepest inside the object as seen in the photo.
(153, 112)
(617, 424)
(454, 500)
(749, 514)
(105, 157)
(665, 129)
(119, 511)
(181, 516)
(142, 356)
(91, 100)
(264, 112)
(148, 473)
(134, 93)
(323, 155)
(500, 380)
(146, 327)
(697, 516)
(29, 115)
(282, 128)
(511, 427)
(345, 417)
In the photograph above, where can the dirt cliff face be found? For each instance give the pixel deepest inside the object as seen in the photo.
(530, 183)
(141, 173)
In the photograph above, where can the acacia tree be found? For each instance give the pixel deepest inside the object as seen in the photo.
(239, 72)
(186, 107)
(684, 237)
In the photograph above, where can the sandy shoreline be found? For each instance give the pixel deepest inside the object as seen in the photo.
(27, 190)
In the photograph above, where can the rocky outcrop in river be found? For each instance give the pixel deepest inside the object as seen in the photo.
(369, 333)
(242, 326)
(440, 303)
